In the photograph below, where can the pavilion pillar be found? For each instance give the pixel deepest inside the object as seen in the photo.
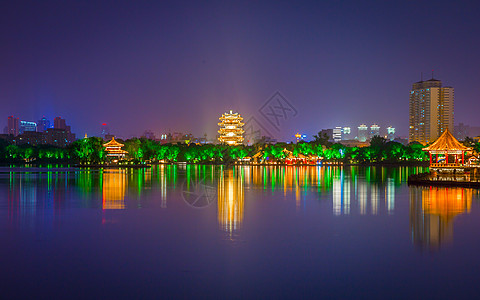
(430, 157)
(463, 157)
(446, 158)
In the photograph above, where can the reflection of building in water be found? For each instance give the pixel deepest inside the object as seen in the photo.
(432, 211)
(390, 195)
(114, 186)
(230, 200)
(341, 194)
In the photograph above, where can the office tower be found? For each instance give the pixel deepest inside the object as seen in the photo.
(43, 124)
(104, 131)
(59, 123)
(337, 134)
(231, 132)
(13, 126)
(390, 133)
(362, 133)
(27, 126)
(430, 111)
(346, 133)
(374, 130)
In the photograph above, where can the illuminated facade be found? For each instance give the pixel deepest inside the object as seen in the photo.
(337, 134)
(362, 133)
(374, 130)
(390, 133)
(231, 132)
(430, 111)
(114, 149)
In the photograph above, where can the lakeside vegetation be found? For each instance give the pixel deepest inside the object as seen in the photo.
(141, 150)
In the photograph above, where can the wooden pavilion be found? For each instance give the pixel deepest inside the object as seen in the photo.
(114, 149)
(447, 151)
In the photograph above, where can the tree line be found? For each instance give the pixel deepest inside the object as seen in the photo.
(141, 150)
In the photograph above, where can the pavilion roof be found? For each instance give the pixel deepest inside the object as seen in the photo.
(447, 142)
(113, 143)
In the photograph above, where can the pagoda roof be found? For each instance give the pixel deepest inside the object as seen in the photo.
(447, 142)
(113, 143)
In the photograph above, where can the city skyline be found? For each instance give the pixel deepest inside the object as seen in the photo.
(71, 60)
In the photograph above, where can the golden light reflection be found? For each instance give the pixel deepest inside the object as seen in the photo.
(114, 186)
(230, 200)
(432, 213)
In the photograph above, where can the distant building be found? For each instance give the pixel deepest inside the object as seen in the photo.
(13, 126)
(354, 143)
(390, 133)
(27, 126)
(31, 138)
(148, 134)
(104, 131)
(59, 137)
(347, 133)
(461, 131)
(362, 133)
(328, 133)
(430, 111)
(43, 124)
(300, 137)
(337, 134)
(374, 131)
(59, 123)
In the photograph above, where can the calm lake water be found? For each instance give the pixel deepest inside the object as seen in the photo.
(242, 232)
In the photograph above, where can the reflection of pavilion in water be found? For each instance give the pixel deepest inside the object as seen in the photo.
(230, 199)
(114, 186)
(432, 212)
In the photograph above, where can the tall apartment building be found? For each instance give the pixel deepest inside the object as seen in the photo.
(374, 130)
(13, 125)
(362, 133)
(431, 111)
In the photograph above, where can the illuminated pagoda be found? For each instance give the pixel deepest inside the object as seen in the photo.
(114, 149)
(444, 147)
(231, 132)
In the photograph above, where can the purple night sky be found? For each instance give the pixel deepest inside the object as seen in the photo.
(178, 66)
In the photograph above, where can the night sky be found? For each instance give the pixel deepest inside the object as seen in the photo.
(178, 66)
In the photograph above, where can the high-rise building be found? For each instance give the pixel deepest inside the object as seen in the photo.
(13, 126)
(43, 124)
(362, 133)
(390, 133)
(104, 131)
(346, 133)
(231, 132)
(27, 126)
(374, 130)
(337, 134)
(431, 111)
(59, 123)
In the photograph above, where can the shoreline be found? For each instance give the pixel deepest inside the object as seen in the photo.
(426, 179)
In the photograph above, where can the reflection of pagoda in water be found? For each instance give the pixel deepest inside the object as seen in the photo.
(114, 185)
(432, 211)
(230, 200)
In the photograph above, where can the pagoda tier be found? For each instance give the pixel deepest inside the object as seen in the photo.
(114, 149)
(231, 131)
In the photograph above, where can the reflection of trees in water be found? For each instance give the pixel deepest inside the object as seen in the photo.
(432, 213)
(231, 199)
